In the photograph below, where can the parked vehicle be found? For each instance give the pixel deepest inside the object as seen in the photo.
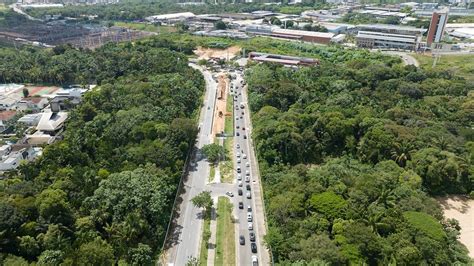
(230, 194)
(242, 240)
(248, 194)
(249, 216)
(252, 236)
(250, 226)
(240, 192)
(254, 260)
(241, 205)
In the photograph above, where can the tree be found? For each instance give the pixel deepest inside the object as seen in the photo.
(51, 257)
(203, 200)
(220, 25)
(214, 152)
(26, 93)
(97, 252)
(141, 255)
(192, 261)
(329, 203)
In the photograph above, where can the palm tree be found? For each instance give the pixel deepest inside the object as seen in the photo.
(401, 154)
(441, 143)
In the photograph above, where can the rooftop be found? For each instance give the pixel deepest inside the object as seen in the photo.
(51, 121)
(7, 115)
(386, 36)
(171, 16)
(304, 33)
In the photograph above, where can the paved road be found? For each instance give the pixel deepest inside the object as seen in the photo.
(186, 237)
(248, 166)
(406, 57)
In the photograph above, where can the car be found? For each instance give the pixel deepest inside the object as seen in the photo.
(254, 260)
(242, 240)
(243, 128)
(244, 156)
(241, 117)
(237, 126)
(247, 187)
(247, 179)
(247, 164)
(249, 217)
(230, 194)
(242, 113)
(238, 169)
(238, 146)
(249, 195)
(237, 118)
(245, 136)
(238, 160)
(253, 247)
(239, 177)
(250, 225)
(240, 192)
(237, 134)
(247, 172)
(241, 205)
(237, 154)
(240, 184)
(249, 209)
(252, 236)
(208, 108)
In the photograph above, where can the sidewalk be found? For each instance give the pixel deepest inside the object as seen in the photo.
(211, 252)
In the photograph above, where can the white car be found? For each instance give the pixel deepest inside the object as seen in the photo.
(250, 226)
(247, 179)
(247, 172)
(244, 156)
(230, 194)
(238, 146)
(238, 155)
(249, 217)
(238, 160)
(239, 177)
(247, 164)
(254, 260)
(240, 183)
(249, 196)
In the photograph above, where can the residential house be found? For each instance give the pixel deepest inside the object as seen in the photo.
(5, 116)
(34, 104)
(52, 122)
(17, 154)
(30, 119)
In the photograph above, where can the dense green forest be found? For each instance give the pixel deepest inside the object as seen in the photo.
(104, 193)
(351, 153)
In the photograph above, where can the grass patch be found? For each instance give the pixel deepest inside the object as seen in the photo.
(212, 173)
(225, 237)
(227, 175)
(206, 235)
(462, 65)
(145, 27)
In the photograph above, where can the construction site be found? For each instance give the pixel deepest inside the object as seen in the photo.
(79, 35)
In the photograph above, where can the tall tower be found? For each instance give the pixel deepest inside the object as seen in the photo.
(438, 22)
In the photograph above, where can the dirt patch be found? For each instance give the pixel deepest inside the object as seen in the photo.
(208, 53)
(221, 98)
(461, 208)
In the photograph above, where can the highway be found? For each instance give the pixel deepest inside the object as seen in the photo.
(248, 165)
(185, 239)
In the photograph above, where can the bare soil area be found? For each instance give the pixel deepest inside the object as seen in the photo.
(461, 208)
(208, 53)
(220, 110)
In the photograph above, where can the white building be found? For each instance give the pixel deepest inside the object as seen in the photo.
(169, 18)
(381, 40)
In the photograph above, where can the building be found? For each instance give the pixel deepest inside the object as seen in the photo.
(34, 104)
(18, 153)
(283, 59)
(393, 29)
(52, 122)
(5, 116)
(8, 103)
(30, 119)
(370, 39)
(437, 25)
(170, 18)
(307, 36)
(259, 29)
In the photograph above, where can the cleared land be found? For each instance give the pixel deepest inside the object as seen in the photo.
(206, 53)
(225, 237)
(462, 65)
(462, 209)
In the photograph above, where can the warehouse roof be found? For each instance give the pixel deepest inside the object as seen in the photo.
(172, 16)
(304, 33)
(386, 36)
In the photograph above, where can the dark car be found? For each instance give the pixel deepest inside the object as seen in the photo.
(240, 192)
(242, 240)
(253, 247)
(242, 113)
(252, 236)
(245, 136)
(238, 134)
(241, 205)
(248, 187)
